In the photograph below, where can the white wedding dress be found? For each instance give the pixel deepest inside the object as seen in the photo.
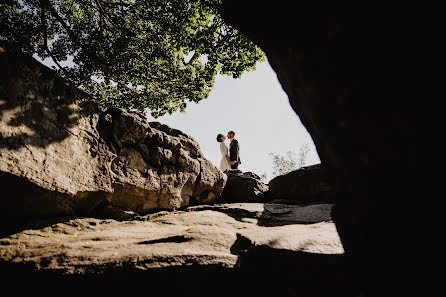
(224, 164)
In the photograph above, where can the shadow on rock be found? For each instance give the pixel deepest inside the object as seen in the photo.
(272, 214)
(279, 272)
(25, 91)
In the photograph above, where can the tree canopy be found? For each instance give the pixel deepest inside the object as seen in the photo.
(136, 54)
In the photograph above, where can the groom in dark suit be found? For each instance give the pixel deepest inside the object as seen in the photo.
(234, 148)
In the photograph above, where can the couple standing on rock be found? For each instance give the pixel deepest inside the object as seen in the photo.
(230, 157)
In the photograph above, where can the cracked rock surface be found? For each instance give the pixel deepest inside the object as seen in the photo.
(61, 155)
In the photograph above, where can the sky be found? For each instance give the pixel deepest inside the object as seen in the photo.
(255, 107)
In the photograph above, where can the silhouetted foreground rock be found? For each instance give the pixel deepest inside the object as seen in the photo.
(59, 155)
(245, 248)
(308, 185)
(243, 187)
(366, 80)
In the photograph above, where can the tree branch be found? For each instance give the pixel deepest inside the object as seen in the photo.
(45, 40)
(53, 12)
(193, 59)
(110, 75)
(46, 4)
(102, 12)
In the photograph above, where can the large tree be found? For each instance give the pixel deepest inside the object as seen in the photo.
(136, 54)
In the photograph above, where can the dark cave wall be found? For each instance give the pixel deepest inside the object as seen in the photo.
(365, 80)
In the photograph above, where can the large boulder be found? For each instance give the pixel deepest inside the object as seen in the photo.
(243, 187)
(59, 154)
(366, 81)
(238, 249)
(306, 185)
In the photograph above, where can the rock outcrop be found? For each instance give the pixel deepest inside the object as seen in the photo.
(366, 81)
(306, 185)
(247, 249)
(61, 155)
(243, 187)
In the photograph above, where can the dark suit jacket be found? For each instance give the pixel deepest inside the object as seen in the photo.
(234, 149)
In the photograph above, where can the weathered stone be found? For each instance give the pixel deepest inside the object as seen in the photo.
(60, 155)
(232, 247)
(366, 81)
(307, 185)
(243, 187)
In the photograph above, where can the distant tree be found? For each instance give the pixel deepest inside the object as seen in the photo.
(290, 161)
(304, 149)
(136, 54)
(264, 177)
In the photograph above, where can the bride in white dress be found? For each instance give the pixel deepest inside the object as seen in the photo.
(224, 163)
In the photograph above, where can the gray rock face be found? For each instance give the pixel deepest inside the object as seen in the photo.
(239, 244)
(307, 185)
(59, 154)
(243, 187)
